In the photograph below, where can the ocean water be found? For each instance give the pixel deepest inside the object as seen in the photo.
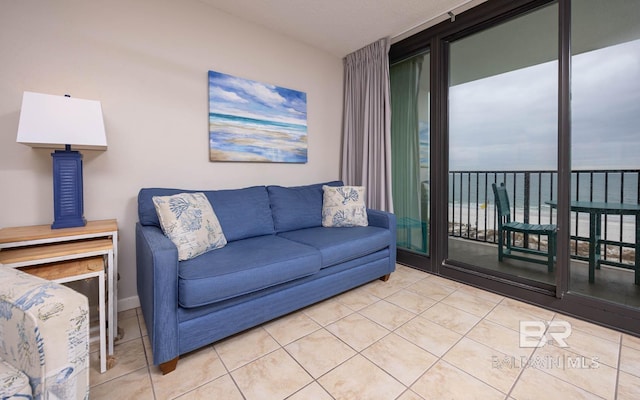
(234, 138)
(614, 187)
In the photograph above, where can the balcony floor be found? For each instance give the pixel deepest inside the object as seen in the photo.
(611, 283)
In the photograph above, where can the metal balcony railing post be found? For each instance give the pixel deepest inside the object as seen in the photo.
(611, 184)
(527, 201)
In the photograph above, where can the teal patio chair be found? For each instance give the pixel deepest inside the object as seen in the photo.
(506, 227)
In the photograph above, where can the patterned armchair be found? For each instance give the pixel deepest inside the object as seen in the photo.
(44, 339)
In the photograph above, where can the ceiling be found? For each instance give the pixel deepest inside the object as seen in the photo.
(341, 27)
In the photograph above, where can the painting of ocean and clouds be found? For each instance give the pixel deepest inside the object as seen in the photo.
(251, 121)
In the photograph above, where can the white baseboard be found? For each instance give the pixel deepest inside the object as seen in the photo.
(128, 303)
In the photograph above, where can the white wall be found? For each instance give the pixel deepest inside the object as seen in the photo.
(147, 62)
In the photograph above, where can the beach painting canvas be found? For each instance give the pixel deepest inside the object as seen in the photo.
(251, 121)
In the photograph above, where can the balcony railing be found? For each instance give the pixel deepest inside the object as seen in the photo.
(472, 213)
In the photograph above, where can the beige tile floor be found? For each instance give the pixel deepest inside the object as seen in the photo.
(417, 336)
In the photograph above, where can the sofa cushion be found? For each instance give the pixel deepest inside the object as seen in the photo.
(242, 213)
(338, 245)
(189, 221)
(242, 267)
(343, 207)
(297, 207)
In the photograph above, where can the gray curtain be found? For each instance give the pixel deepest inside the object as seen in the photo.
(366, 147)
(405, 142)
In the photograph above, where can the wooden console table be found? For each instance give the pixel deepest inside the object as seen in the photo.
(69, 254)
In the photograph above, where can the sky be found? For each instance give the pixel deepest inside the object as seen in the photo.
(509, 121)
(235, 96)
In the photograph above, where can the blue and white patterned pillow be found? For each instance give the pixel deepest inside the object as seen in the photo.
(190, 222)
(343, 206)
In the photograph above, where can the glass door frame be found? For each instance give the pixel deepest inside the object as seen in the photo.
(559, 298)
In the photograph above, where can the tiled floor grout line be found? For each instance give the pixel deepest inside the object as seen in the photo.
(521, 371)
(148, 357)
(509, 328)
(615, 393)
(515, 382)
(229, 371)
(347, 344)
(407, 388)
(283, 347)
(391, 332)
(439, 358)
(407, 281)
(463, 337)
(201, 383)
(527, 366)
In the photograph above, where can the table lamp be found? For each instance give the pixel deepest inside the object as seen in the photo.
(59, 122)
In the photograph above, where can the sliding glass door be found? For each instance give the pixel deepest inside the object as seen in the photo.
(523, 140)
(605, 152)
(502, 125)
(410, 151)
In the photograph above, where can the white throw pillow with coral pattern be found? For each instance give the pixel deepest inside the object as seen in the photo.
(189, 221)
(343, 206)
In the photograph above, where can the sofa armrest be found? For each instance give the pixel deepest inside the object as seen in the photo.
(157, 281)
(387, 220)
(381, 219)
(44, 329)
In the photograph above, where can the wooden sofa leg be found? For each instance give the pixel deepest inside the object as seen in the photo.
(385, 278)
(169, 366)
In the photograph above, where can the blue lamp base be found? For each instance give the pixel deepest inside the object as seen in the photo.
(68, 206)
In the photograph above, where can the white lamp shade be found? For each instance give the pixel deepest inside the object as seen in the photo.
(55, 121)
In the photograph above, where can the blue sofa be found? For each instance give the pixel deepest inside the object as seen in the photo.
(278, 259)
